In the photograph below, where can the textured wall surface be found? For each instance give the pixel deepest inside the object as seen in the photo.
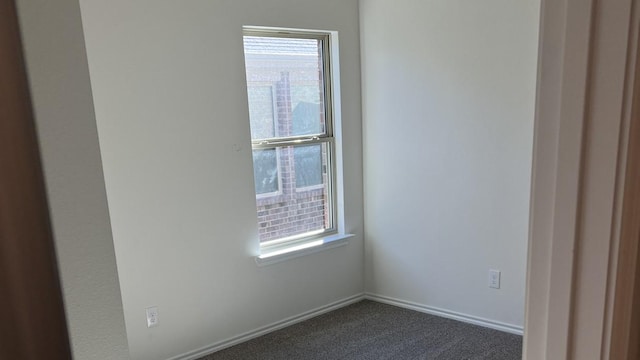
(448, 106)
(170, 94)
(61, 95)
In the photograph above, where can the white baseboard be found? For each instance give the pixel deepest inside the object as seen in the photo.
(513, 329)
(198, 353)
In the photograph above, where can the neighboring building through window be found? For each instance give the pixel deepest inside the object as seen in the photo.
(289, 93)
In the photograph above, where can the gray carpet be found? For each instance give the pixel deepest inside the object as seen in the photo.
(370, 330)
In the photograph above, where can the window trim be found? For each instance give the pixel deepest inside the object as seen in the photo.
(328, 137)
(301, 249)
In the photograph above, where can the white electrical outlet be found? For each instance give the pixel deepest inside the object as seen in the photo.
(494, 279)
(152, 316)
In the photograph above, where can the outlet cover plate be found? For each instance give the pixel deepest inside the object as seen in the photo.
(152, 316)
(494, 279)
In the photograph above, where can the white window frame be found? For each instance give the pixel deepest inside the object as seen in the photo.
(331, 236)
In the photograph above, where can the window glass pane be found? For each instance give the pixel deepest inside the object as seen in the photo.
(308, 165)
(306, 114)
(265, 171)
(293, 69)
(303, 205)
(261, 112)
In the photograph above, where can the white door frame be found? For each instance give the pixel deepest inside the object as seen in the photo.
(586, 58)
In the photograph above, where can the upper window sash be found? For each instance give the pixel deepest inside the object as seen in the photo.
(325, 45)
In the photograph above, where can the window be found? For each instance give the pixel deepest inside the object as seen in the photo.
(290, 115)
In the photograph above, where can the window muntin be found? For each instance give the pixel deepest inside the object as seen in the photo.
(294, 191)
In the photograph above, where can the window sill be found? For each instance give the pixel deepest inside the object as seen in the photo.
(307, 248)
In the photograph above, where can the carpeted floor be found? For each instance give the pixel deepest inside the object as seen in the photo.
(370, 330)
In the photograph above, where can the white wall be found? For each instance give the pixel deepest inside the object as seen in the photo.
(448, 104)
(170, 98)
(61, 96)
